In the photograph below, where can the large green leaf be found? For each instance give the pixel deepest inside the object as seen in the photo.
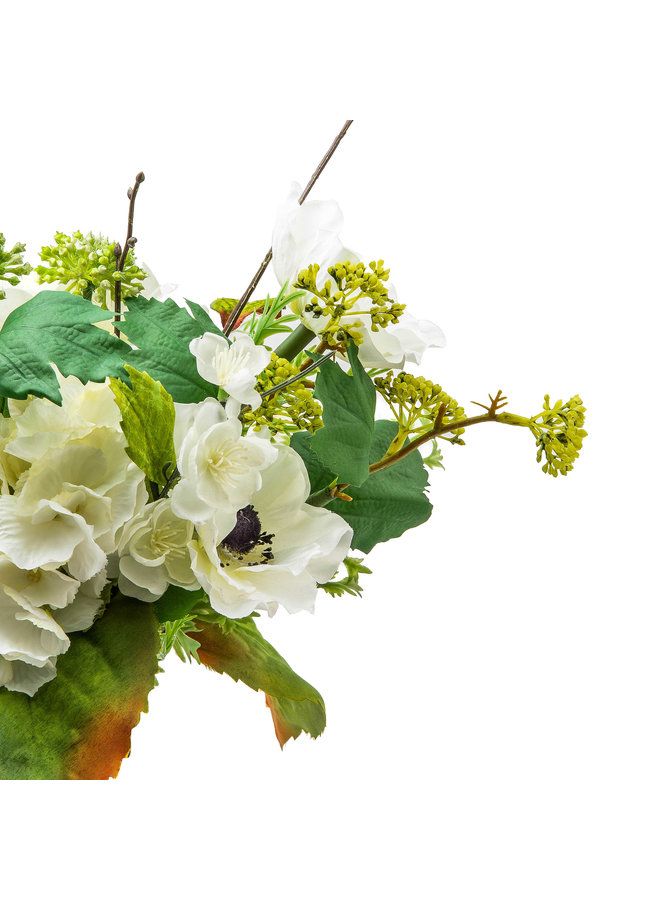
(162, 332)
(56, 327)
(390, 501)
(238, 649)
(147, 414)
(79, 725)
(349, 403)
(320, 476)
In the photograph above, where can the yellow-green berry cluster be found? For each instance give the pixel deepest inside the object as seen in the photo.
(86, 265)
(11, 264)
(291, 409)
(342, 297)
(559, 434)
(417, 403)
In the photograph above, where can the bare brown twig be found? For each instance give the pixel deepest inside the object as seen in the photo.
(235, 314)
(121, 254)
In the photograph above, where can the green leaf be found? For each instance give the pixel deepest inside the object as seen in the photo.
(79, 725)
(176, 603)
(201, 316)
(56, 327)
(391, 501)
(147, 420)
(238, 649)
(319, 475)
(349, 404)
(162, 332)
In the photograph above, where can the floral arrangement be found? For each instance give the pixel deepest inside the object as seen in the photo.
(169, 472)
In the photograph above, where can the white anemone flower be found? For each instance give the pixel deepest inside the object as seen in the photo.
(232, 366)
(220, 469)
(310, 234)
(278, 549)
(30, 638)
(153, 553)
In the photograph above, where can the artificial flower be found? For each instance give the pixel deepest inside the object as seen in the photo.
(30, 639)
(220, 469)
(232, 366)
(153, 553)
(277, 549)
(310, 234)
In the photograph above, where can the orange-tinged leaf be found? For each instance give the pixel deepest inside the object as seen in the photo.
(79, 725)
(239, 650)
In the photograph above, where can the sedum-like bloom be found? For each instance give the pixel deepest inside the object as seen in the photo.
(232, 366)
(220, 469)
(309, 234)
(30, 638)
(153, 553)
(277, 549)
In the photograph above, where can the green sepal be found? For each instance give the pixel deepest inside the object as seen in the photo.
(237, 648)
(79, 725)
(56, 327)
(147, 413)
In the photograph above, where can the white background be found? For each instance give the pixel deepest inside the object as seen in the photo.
(493, 698)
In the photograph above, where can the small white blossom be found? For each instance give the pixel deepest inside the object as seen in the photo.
(277, 550)
(220, 469)
(153, 553)
(232, 366)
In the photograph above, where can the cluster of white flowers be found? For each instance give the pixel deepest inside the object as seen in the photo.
(310, 234)
(74, 512)
(66, 489)
(74, 509)
(237, 523)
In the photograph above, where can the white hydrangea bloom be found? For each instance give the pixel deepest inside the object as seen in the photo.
(42, 425)
(78, 486)
(153, 553)
(30, 638)
(11, 467)
(80, 614)
(232, 366)
(310, 234)
(48, 535)
(277, 549)
(220, 469)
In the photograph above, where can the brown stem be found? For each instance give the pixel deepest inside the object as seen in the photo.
(235, 314)
(128, 243)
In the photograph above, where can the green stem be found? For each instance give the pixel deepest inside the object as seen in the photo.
(503, 418)
(295, 342)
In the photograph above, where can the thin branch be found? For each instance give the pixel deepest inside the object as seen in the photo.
(235, 314)
(121, 254)
(302, 374)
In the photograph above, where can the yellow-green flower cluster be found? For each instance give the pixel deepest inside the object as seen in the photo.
(86, 265)
(418, 404)
(343, 295)
(11, 264)
(559, 434)
(291, 409)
